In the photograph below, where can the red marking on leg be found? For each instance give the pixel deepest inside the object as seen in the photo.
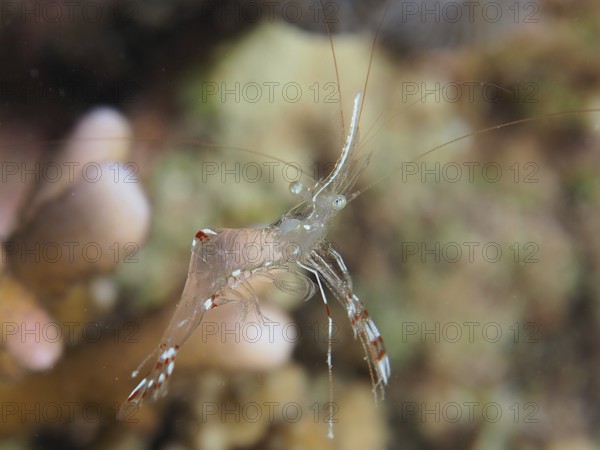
(327, 309)
(359, 316)
(377, 341)
(377, 344)
(202, 236)
(212, 299)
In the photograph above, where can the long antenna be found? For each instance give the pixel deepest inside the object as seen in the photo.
(337, 72)
(373, 45)
(474, 133)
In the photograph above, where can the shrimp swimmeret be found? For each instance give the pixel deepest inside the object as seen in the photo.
(294, 242)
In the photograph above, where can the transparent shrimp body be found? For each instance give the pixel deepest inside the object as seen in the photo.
(293, 243)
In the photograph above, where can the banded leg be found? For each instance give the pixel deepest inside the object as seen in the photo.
(329, 264)
(155, 382)
(329, 336)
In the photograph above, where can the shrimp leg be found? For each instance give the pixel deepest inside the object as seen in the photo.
(196, 299)
(328, 263)
(329, 337)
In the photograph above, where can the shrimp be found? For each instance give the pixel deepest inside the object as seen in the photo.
(294, 242)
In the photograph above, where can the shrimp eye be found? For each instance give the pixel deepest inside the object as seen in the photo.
(339, 201)
(297, 188)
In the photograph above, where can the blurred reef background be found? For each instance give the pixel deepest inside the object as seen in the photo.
(121, 124)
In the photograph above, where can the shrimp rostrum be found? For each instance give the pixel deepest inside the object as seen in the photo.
(294, 243)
